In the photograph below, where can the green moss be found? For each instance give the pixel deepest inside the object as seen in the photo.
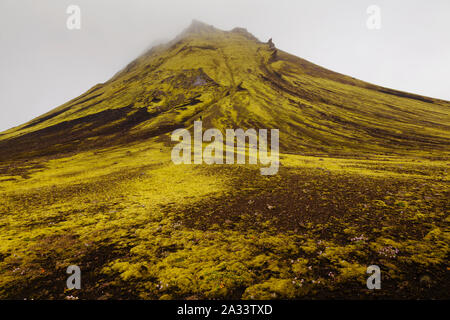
(271, 289)
(351, 191)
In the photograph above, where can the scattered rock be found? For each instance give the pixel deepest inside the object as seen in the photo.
(199, 81)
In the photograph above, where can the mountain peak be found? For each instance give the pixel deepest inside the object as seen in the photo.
(199, 27)
(245, 33)
(232, 81)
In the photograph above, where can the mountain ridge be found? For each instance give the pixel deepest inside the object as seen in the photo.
(231, 79)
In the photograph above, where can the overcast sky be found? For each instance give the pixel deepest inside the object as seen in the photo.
(43, 64)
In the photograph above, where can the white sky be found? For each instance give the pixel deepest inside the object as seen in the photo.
(43, 64)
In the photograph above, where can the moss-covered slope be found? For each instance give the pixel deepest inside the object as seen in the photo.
(363, 180)
(232, 80)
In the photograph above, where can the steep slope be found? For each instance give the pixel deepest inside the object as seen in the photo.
(232, 80)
